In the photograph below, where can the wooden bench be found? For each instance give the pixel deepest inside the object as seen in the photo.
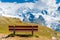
(29, 28)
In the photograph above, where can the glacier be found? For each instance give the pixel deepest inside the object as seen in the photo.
(44, 12)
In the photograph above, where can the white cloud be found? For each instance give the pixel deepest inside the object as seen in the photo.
(9, 9)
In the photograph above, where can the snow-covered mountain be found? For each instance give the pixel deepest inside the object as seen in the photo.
(41, 17)
(46, 12)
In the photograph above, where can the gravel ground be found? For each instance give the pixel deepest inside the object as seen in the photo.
(22, 38)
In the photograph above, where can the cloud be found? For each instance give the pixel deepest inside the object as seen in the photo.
(10, 10)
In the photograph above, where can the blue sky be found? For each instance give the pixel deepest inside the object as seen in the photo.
(22, 1)
(57, 1)
(18, 1)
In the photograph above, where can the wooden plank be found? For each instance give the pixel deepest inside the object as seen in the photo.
(23, 28)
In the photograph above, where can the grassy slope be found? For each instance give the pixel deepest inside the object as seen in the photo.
(5, 22)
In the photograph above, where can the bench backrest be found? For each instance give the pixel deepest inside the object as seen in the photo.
(23, 28)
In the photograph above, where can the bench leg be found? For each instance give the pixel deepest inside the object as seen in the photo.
(32, 31)
(14, 32)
